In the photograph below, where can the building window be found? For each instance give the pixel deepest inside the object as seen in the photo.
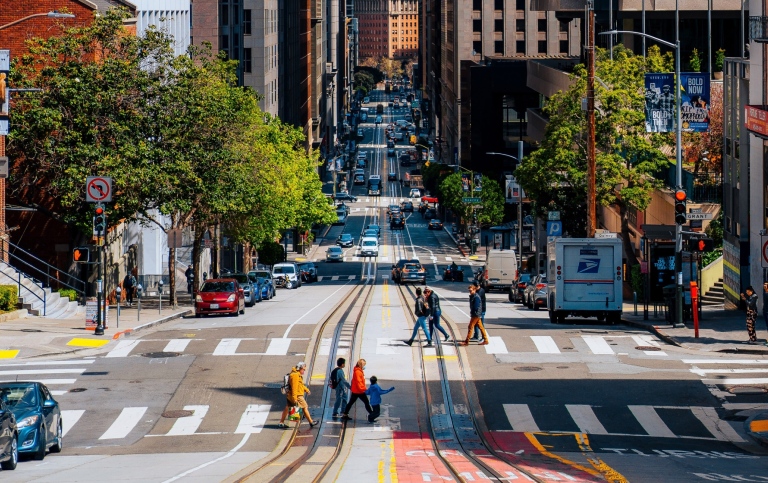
(520, 5)
(542, 25)
(247, 60)
(225, 15)
(498, 46)
(498, 25)
(563, 46)
(520, 25)
(477, 4)
(477, 47)
(477, 25)
(246, 22)
(498, 4)
(520, 46)
(542, 46)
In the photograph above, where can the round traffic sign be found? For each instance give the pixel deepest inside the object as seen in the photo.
(765, 251)
(99, 189)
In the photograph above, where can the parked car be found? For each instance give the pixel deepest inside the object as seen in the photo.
(435, 224)
(37, 416)
(516, 293)
(540, 294)
(334, 254)
(345, 240)
(345, 197)
(220, 296)
(308, 272)
(9, 438)
(250, 294)
(341, 217)
(398, 267)
(413, 272)
(286, 275)
(263, 280)
(536, 287)
(397, 223)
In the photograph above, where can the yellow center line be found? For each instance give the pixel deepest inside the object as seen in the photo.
(447, 358)
(532, 438)
(609, 473)
(392, 462)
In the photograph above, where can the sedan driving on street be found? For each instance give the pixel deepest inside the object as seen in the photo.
(334, 254)
(345, 197)
(435, 224)
(398, 267)
(413, 272)
(9, 440)
(38, 417)
(220, 296)
(397, 223)
(407, 207)
(345, 240)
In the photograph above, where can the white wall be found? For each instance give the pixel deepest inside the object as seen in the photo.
(171, 16)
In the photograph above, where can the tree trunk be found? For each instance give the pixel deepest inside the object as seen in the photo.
(199, 234)
(172, 275)
(629, 249)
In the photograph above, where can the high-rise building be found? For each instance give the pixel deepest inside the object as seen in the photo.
(388, 28)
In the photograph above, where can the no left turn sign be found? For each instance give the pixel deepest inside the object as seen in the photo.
(765, 251)
(98, 189)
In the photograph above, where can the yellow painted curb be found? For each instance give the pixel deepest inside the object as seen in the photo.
(87, 342)
(299, 259)
(8, 354)
(473, 257)
(759, 426)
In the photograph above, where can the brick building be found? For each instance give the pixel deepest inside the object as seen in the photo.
(388, 28)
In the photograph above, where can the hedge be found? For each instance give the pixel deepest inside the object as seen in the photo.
(9, 297)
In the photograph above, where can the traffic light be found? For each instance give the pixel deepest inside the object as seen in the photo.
(99, 221)
(701, 245)
(680, 199)
(81, 255)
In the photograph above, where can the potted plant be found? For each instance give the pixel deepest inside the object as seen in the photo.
(719, 61)
(694, 62)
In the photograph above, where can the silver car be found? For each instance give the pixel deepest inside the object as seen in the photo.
(334, 254)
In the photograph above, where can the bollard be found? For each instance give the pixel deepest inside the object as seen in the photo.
(118, 293)
(634, 298)
(160, 293)
(138, 296)
(694, 307)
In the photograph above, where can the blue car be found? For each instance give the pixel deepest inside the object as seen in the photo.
(38, 417)
(263, 278)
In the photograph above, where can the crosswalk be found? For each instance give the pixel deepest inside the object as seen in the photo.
(632, 420)
(57, 375)
(727, 378)
(217, 347)
(607, 345)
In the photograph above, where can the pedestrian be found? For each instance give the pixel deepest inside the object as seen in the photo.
(339, 383)
(433, 302)
(375, 391)
(295, 395)
(421, 310)
(129, 282)
(475, 310)
(480, 293)
(357, 389)
(751, 298)
(190, 274)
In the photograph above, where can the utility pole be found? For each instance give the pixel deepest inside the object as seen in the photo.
(520, 209)
(591, 161)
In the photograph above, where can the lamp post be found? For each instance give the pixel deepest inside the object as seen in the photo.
(519, 160)
(678, 167)
(52, 14)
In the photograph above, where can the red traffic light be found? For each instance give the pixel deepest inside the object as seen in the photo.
(99, 210)
(680, 195)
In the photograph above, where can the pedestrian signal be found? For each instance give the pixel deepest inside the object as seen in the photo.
(81, 255)
(701, 245)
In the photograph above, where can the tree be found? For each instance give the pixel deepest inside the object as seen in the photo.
(627, 157)
(491, 212)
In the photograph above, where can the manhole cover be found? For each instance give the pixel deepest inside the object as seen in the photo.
(160, 355)
(527, 368)
(647, 348)
(273, 385)
(747, 390)
(30, 330)
(563, 367)
(78, 389)
(179, 413)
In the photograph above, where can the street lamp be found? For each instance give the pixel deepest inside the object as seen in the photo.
(678, 159)
(52, 14)
(519, 159)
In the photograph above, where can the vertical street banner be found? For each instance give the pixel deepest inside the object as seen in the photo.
(512, 190)
(5, 68)
(659, 102)
(478, 182)
(465, 182)
(694, 110)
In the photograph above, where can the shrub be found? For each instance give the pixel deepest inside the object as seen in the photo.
(9, 297)
(694, 62)
(270, 253)
(69, 293)
(719, 60)
(636, 281)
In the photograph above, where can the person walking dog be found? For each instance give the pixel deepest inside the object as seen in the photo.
(340, 384)
(295, 395)
(357, 389)
(421, 310)
(375, 391)
(475, 310)
(434, 313)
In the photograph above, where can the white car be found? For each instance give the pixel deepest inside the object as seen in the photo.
(369, 247)
(415, 193)
(288, 272)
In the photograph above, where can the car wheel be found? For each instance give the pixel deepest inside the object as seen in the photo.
(39, 454)
(198, 316)
(235, 313)
(535, 307)
(59, 445)
(13, 460)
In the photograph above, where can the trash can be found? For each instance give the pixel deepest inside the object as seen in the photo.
(670, 302)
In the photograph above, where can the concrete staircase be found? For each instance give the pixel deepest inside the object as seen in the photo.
(36, 299)
(715, 295)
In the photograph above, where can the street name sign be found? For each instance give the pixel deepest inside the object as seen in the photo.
(698, 216)
(471, 200)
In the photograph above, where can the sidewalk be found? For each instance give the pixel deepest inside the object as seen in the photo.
(32, 337)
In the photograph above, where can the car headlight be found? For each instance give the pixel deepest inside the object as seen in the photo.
(198, 298)
(28, 421)
(231, 298)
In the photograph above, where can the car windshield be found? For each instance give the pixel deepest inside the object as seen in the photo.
(369, 243)
(284, 269)
(345, 237)
(19, 395)
(218, 287)
(241, 278)
(307, 266)
(372, 227)
(334, 250)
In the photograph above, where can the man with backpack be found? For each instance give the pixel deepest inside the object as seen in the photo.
(129, 282)
(338, 382)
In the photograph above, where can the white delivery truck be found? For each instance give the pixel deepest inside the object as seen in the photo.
(585, 278)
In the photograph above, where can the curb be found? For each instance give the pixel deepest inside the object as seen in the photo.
(759, 434)
(14, 315)
(461, 249)
(654, 330)
(152, 324)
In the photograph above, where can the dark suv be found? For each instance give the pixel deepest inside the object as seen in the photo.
(398, 267)
(397, 223)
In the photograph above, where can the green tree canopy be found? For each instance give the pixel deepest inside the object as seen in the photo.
(451, 194)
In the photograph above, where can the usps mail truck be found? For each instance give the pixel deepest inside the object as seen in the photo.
(585, 278)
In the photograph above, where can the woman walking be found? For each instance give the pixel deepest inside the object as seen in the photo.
(751, 299)
(358, 389)
(421, 310)
(433, 302)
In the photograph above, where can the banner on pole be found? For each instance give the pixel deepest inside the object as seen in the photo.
(659, 102)
(694, 111)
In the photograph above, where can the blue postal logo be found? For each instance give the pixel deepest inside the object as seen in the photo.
(589, 265)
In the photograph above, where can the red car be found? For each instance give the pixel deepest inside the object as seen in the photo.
(220, 296)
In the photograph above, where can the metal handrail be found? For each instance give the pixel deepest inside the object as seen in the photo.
(43, 299)
(45, 275)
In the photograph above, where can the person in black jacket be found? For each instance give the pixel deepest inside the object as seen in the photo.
(751, 299)
(480, 293)
(434, 313)
(475, 307)
(421, 310)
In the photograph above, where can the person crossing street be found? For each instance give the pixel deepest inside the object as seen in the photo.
(475, 311)
(433, 302)
(421, 310)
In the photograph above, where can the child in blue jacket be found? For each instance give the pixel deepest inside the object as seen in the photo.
(375, 391)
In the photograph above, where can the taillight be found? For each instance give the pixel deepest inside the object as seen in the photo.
(540, 285)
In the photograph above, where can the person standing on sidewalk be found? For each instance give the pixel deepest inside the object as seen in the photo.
(475, 310)
(433, 301)
(358, 389)
(295, 395)
(480, 293)
(421, 310)
(190, 274)
(340, 384)
(751, 298)
(129, 282)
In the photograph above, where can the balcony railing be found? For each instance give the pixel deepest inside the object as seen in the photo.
(758, 29)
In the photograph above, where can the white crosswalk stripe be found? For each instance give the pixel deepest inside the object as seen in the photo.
(554, 348)
(35, 371)
(124, 424)
(718, 372)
